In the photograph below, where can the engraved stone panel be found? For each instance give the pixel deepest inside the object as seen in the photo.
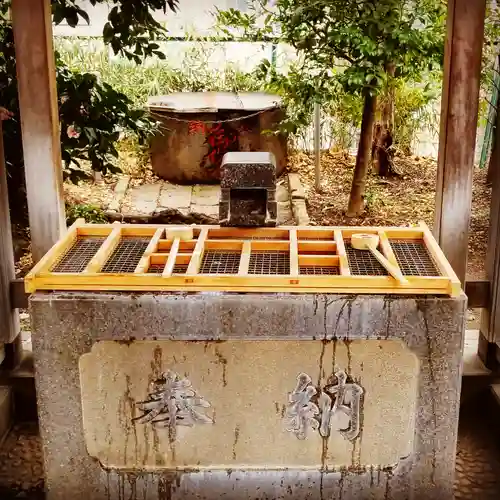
(229, 405)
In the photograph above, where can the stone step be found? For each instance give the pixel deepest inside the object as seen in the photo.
(22, 381)
(473, 366)
(5, 411)
(495, 389)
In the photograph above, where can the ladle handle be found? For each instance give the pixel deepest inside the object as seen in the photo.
(393, 270)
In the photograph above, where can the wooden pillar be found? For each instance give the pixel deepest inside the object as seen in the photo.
(490, 316)
(9, 317)
(457, 141)
(32, 27)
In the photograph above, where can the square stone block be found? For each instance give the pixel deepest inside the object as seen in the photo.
(213, 395)
(248, 170)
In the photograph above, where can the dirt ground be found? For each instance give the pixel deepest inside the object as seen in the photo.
(399, 201)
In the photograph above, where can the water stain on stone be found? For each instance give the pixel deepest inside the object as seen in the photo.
(334, 354)
(126, 342)
(348, 343)
(324, 343)
(159, 458)
(222, 361)
(388, 476)
(359, 439)
(126, 414)
(236, 438)
(387, 307)
(156, 364)
(343, 474)
(132, 480)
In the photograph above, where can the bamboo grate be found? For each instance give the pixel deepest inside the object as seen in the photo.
(116, 257)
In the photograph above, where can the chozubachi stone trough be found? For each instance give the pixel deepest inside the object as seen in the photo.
(246, 363)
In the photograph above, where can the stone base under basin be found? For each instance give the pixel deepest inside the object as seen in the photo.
(233, 363)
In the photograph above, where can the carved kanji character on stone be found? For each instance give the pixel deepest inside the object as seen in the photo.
(344, 414)
(336, 407)
(173, 402)
(301, 412)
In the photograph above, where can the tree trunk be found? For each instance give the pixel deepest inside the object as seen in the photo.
(382, 152)
(356, 201)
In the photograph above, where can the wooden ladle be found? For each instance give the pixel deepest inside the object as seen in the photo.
(370, 242)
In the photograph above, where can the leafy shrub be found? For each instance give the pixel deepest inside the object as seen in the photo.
(92, 116)
(90, 213)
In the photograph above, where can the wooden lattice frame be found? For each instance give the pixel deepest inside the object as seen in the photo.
(306, 246)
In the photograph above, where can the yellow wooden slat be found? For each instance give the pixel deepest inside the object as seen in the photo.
(317, 247)
(312, 252)
(315, 233)
(319, 260)
(262, 246)
(172, 258)
(325, 284)
(157, 259)
(246, 233)
(223, 245)
(162, 287)
(294, 253)
(439, 258)
(245, 258)
(243, 233)
(199, 249)
(152, 247)
(55, 253)
(343, 262)
(184, 245)
(107, 248)
(403, 233)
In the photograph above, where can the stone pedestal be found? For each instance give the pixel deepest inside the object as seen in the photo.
(214, 395)
(248, 190)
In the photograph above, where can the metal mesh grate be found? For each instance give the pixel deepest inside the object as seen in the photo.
(220, 262)
(414, 259)
(319, 270)
(269, 262)
(75, 260)
(158, 269)
(363, 263)
(126, 256)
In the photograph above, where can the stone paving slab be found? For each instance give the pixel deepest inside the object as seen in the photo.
(175, 196)
(282, 194)
(150, 199)
(205, 194)
(143, 199)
